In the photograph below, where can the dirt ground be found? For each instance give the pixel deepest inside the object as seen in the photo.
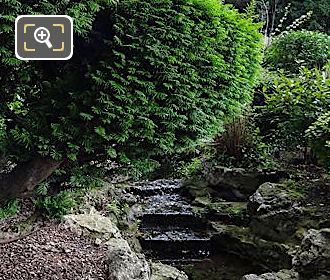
(52, 252)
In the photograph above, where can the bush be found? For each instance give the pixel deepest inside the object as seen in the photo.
(319, 136)
(292, 104)
(11, 208)
(241, 144)
(55, 206)
(147, 78)
(294, 49)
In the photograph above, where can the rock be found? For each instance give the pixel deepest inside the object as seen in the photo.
(313, 257)
(281, 275)
(165, 272)
(92, 224)
(124, 264)
(135, 213)
(239, 241)
(274, 214)
(228, 212)
(237, 184)
(98, 241)
(268, 198)
(128, 198)
(96, 199)
(202, 201)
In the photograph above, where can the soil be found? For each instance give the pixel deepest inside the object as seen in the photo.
(52, 252)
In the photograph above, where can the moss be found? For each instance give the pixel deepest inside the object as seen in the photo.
(300, 233)
(311, 217)
(200, 211)
(241, 233)
(20, 227)
(292, 189)
(234, 209)
(202, 200)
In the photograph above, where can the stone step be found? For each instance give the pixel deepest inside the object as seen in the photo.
(156, 187)
(176, 245)
(172, 220)
(167, 203)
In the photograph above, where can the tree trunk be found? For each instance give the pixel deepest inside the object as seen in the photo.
(25, 177)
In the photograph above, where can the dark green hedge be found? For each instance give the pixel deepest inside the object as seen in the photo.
(147, 78)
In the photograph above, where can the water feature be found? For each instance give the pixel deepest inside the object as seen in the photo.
(170, 229)
(172, 233)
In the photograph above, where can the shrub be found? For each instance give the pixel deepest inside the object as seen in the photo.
(294, 49)
(292, 104)
(11, 208)
(240, 144)
(235, 137)
(188, 169)
(319, 136)
(148, 78)
(55, 206)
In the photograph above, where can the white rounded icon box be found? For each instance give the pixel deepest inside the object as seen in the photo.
(44, 37)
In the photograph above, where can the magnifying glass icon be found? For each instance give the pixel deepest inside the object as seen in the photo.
(42, 35)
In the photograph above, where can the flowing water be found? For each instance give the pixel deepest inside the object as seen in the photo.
(172, 233)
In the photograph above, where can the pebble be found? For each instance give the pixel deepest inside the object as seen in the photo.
(52, 252)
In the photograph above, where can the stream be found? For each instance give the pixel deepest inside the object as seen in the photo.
(172, 233)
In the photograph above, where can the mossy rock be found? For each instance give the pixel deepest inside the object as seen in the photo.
(292, 189)
(197, 188)
(230, 208)
(161, 271)
(202, 201)
(242, 242)
(229, 212)
(274, 214)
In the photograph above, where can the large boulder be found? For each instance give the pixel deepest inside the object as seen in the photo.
(313, 257)
(165, 272)
(237, 184)
(274, 214)
(93, 224)
(241, 242)
(124, 264)
(281, 275)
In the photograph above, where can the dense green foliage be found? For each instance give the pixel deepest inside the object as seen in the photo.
(147, 77)
(292, 104)
(55, 206)
(241, 5)
(292, 50)
(11, 208)
(319, 136)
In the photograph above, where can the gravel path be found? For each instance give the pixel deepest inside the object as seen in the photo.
(52, 252)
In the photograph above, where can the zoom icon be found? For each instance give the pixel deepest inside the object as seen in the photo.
(41, 37)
